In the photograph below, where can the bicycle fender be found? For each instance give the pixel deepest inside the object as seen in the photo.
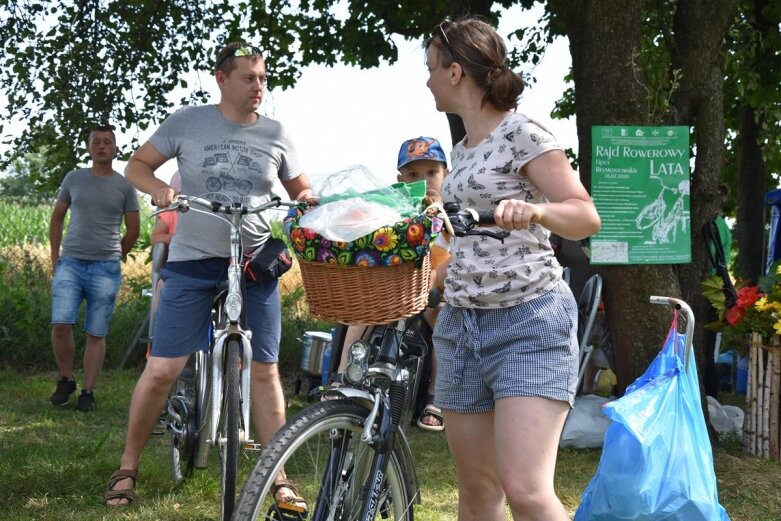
(357, 395)
(408, 464)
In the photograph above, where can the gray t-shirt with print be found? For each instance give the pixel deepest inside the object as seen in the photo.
(225, 162)
(485, 273)
(97, 205)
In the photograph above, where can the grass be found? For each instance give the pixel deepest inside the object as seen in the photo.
(56, 461)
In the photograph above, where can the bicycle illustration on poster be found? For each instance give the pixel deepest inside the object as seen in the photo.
(661, 222)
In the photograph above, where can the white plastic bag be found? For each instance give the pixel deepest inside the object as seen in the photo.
(586, 425)
(348, 219)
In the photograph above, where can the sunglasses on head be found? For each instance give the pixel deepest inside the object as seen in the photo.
(240, 52)
(444, 39)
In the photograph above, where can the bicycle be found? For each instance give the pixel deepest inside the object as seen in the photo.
(209, 403)
(349, 457)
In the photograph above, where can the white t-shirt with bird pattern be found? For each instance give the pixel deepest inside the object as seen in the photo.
(484, 272)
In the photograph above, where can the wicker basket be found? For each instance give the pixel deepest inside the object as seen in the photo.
(365, 295)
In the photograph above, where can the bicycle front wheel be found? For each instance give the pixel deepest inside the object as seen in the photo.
(321, 453)
(229, 430)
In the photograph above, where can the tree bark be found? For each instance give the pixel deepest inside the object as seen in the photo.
(609, 90)
(751, 210)
(699, 28)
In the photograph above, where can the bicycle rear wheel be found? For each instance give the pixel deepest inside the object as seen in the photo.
(228, 432)
(321, 452)
(184, 404)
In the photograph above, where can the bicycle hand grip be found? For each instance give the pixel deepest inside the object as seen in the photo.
(481, 216)
(485, 217)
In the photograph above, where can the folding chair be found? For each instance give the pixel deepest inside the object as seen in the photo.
(588, 304)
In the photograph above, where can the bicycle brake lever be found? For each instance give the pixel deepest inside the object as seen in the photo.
(499, 236)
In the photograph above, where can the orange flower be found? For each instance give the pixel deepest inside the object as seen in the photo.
(415, 234)
(298, 239)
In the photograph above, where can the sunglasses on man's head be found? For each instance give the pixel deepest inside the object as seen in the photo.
(240, 52)
(444, 39)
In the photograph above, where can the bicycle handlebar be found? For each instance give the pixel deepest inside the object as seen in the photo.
(465, 221)
(181, 203)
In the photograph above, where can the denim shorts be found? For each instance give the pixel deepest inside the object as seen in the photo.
(183, 319)
(530, 349)
(97, 281)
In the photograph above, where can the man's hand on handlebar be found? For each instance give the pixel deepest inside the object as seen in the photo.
(163, 197)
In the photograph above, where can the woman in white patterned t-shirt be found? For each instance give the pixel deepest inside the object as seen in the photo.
(506, 340)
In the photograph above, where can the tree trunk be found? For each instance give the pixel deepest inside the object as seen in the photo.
(751, 211)
(603, 38)
(699, 29)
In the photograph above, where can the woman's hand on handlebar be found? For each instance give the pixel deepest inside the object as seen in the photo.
(514, 214)
(163, 196)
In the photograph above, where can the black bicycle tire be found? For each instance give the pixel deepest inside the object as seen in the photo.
(182, 449)
(229, 451)
(307, 424)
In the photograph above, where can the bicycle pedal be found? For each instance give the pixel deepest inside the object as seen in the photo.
(251, 446)
(159, 429)
(286, 512)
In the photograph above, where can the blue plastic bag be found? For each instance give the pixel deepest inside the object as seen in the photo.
(656, 460)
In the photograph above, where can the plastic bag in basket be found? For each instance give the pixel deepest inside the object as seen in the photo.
(347, 219)
(358, 181)
(404, 241)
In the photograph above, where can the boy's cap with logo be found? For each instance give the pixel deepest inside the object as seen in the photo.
(420, 148)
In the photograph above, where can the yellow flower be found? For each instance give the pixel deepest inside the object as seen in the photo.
(777, 327)
(778, 269)
(762, 304)
(385, 239)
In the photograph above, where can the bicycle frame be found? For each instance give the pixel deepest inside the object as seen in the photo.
(233, 309)
(210, 365)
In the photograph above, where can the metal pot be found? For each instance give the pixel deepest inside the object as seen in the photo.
(315, 344)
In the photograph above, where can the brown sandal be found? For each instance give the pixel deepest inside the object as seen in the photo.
(294, 503)
(123, 493)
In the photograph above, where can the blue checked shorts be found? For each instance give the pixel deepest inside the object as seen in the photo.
(96, 281)
(530, 349)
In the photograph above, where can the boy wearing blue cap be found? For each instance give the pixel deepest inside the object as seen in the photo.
(420, 158)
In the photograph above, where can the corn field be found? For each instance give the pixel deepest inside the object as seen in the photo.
(24, 220)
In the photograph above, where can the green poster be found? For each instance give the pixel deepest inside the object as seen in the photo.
(640, 186)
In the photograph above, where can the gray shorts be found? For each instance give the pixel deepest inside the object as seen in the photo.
(530, 349)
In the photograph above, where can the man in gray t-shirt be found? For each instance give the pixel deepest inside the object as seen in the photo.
(228, 152)
(88, 267)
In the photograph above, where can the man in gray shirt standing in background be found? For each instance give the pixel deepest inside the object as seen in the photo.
(89, 265)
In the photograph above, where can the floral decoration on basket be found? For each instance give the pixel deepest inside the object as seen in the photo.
(407, 240)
